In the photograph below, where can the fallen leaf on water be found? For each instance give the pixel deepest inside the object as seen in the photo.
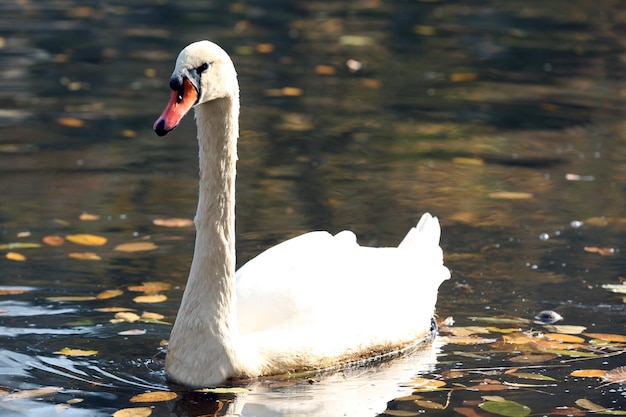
(173, 222)
(150, 287)
(154, 298)
(152, 316)
(14, 256)
(600, 251)
(32, 393)
(463, 77)
(564, 328)
(467, 330)
(572, 353)
(76, 352)
(87, 239)
(489, 387)
(532, 358)
(133, 332)
(7, 290)
(468, 161)
(19, 245)
(70, 122)
(588, 405)
(72, 298)
(84, 256)
(53, 240)
(617, 288)
(153, 397)
(588, 373)
(564, 338)
(135, 247)
(133, 412)
(468, 412)
(429, 404)
(537, 377)
(466, 340)
(510, 195)
(106, 294)
(517, 338)
(88, 217)
(325, 70)
(401, 413)
(127, 316)
(567, 411)
(505, 408)
(500, 319)
(264, 48)
(607, 336)
(425, 384)
(23, 234)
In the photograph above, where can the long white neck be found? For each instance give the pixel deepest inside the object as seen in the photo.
(205, 331)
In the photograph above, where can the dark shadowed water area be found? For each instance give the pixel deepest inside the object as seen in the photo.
(503, 118)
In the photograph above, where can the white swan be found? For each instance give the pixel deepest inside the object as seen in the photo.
(313, 302)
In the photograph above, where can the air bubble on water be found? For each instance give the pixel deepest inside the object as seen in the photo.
(544, 236)
(576, 224)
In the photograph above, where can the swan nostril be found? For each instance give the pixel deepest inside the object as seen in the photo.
(176, 83)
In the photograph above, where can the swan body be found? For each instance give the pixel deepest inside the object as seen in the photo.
(315, 301)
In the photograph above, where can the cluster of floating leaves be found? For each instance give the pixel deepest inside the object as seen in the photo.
(532, 355)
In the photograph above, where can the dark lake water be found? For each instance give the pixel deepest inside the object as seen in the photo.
(503, 118)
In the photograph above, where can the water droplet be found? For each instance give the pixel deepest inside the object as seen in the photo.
(544, 236)
(576, 224)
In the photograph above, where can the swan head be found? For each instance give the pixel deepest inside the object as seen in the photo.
(203, 72)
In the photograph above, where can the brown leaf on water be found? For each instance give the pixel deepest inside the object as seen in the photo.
(106, 294)
(607, 336)
(152, 316)
(567, 411)
(532, 358)
(464, 331)
(70, 122)
(617, 375)
(76, 352)
(489, 387)
(264, 48)
(425, 384)
(53, 240)
(517, 338)
(153, 397)
(131, 247)
(88, 217)
(14, 256)
(133, 412)
(564, 338)
(173, 222)
(510, 195)
(8, 290)
(72, 298)
(150, 287)
(588, 373)
(87, 239)
(429, 404)
(325, 70)
(84, 256)
(588, 405)
(600, 251)
(154, 298)
(32, 393)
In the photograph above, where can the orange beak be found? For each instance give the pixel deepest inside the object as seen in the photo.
(180, 102)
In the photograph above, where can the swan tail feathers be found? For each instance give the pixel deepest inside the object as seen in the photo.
(426, 233)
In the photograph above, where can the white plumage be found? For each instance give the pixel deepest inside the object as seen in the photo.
(315, 301)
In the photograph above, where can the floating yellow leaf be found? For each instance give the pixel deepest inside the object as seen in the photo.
(517, 338)
(173, 222)
(87, 217)
(154, 298)
(32, 393)
(53, 240)
(463, 77)
(600, 251)
(429, 404)
(325, 70)
(127, 316)
(152, 316)
(425, 384)
(153, 397)
(135, 247)
(510, 195)
(70, 122)
(467, 330)
(468, 161)
(564, 328)
(106, 294)
(14, 256)
(72, 298)
(76, 352)
(84, 256)
(87, 239)
(607, 336)
(566, 338)
(264, 48)
(588, 373)
(133, 412)
(150, 287)
(284, 92)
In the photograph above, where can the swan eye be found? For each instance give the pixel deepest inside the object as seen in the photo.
(202, 68)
